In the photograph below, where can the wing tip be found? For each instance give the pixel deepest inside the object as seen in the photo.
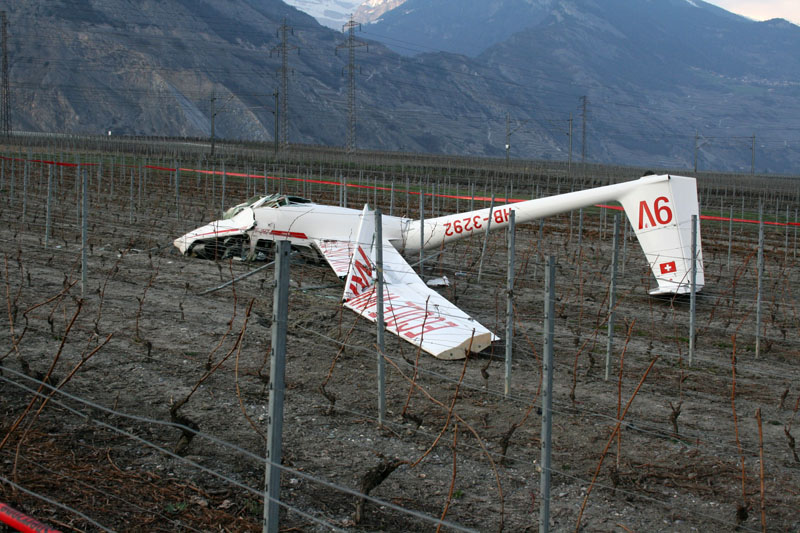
(475, 344)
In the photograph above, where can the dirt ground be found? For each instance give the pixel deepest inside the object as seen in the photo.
(706, 446)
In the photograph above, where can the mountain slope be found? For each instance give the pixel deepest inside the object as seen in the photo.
(464, 26)
(668, 66)
(652, 73)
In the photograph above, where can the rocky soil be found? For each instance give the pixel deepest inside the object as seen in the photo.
(142, 354)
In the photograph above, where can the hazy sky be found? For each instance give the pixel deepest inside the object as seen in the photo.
(762, 9)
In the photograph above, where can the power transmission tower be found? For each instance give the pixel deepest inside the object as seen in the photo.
(568, 133)
(284, 48)
(213, 119)
(216, 110)
(351, 44)
(5, 120)
(276, 94)
(509, 131)
(585, 101)
(697, 146)
(569, 161)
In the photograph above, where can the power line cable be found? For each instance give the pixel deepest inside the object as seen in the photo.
(55, 503)
(87, 403)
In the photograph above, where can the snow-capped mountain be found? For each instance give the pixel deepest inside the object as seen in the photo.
(423, 25)
(336, 13)
(371, 10)
(331, 13)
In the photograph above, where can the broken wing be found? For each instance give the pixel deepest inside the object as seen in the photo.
(412, 310)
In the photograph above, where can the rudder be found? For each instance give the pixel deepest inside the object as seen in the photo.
(660, 213)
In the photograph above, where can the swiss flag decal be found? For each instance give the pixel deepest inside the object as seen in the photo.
(668, 268)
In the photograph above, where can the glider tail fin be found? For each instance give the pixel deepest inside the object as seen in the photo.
(660, 213)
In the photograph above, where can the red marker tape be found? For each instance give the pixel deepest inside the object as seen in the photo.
(22, 522)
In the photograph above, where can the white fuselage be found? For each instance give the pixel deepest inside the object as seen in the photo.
(303, 223)
(659, 208)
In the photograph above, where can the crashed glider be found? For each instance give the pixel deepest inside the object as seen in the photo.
(660, 209)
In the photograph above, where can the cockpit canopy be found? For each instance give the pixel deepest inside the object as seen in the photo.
(272, 200)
